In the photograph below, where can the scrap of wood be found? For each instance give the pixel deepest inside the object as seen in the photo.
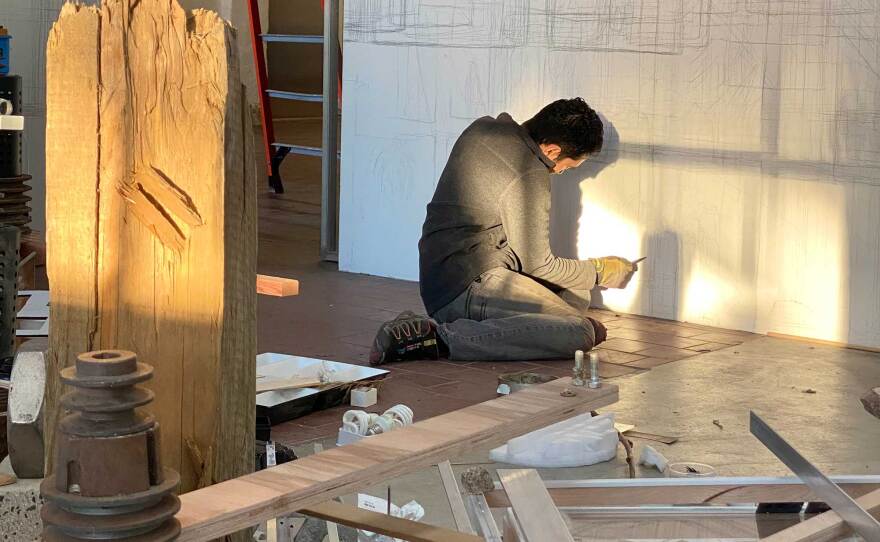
(394, 527)
(278, 384)
(720, 491)
(453, 494)
(277, 286)
(267, 383)
(826, 526)
(535, 511)
(229, 506)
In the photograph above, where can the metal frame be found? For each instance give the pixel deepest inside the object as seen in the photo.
(262, 86)
(330, 136)
(276, 151)
(846, 507)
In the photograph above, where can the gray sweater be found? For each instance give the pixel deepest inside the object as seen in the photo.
(491, 209)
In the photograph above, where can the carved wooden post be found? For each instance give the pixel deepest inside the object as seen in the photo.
(151, 219)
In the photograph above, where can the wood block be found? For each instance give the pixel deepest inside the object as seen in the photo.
(226, 507)
(535, 511)
(277, 286)
(151, 218)
(395, 527)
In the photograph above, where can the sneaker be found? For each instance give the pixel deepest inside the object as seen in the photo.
(407, 337)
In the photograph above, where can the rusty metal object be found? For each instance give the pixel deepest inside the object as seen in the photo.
(14, 208)
(108, 481)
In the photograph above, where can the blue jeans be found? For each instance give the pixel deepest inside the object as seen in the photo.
(504, 315)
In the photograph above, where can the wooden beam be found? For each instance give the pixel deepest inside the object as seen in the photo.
(151, 218)
(235, 504)
(716, 492)
(453, 494)
(395, 527)
(826, 526)
(535, 511)
(277, 286)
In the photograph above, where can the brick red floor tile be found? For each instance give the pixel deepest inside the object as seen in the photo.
(666, 352)
(654, 337)
(624, 345)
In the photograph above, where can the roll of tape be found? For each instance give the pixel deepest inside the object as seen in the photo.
(5, 107)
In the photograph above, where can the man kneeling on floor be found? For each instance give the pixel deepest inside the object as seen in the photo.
(493, 287)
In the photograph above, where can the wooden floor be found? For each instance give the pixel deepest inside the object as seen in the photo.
(337, 315)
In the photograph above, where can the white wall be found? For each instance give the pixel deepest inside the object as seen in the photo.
(743, 155)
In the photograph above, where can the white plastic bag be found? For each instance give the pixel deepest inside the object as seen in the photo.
(576, 442)
(411, 510)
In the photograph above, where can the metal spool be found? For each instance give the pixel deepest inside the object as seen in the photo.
(14, 208)
(108, 481)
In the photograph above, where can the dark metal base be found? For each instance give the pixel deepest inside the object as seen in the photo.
(275, 179)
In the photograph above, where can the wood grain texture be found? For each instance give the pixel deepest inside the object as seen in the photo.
(720, 493)
(453, 495)
(405, 529)
(226, 507)
(535, 511)
(73, 74)
(826, 526)
(151, 217)
(277, 286)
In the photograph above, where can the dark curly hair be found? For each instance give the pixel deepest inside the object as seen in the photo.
(571, 124)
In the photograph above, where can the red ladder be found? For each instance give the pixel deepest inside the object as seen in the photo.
(274, 150)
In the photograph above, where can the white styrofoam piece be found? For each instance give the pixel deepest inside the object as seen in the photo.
(275, 365)
(364, 397)
(36, 306)
(12, 122)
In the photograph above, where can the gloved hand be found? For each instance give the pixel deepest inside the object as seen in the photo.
(614, 271)
(599, 330)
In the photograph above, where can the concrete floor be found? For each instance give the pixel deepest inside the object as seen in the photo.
(683, 398)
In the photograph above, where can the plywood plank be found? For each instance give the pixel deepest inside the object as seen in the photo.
(826, 526)
(404, 529)
(535, 511)
(151, 217)
(226, 507)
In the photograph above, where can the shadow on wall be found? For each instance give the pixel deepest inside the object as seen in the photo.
(658, 288)
(566, 208)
